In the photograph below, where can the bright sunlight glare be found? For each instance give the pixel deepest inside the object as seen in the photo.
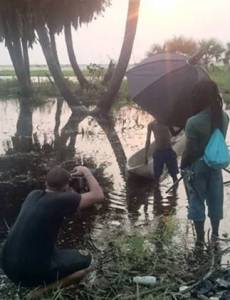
(159, 6)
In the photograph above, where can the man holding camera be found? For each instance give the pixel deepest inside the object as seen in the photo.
(29, 256)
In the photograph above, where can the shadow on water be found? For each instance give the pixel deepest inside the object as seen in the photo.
(54, 136)
(100, 144)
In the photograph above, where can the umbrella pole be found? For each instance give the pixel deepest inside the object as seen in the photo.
(174, 185)
(227, 182)
(179, 179)
(226, 170)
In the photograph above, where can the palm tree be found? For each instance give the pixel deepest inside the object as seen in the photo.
(108, 99)
(50, 19)
(54, 65)
(70, 49)
(18, 35)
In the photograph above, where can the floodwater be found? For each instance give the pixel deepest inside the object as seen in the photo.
(129, 201)
(37, 79)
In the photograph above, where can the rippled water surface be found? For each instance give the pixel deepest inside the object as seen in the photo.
(129, 201)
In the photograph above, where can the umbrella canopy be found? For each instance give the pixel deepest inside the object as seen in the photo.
(162, 85)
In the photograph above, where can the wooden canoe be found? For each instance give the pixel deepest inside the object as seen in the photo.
(136, 163)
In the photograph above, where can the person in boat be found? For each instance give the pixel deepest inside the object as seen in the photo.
(163, 153)
(201, 181)
(29, 255)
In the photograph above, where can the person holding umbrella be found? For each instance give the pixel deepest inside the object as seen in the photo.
(203, 182)
(163, 153)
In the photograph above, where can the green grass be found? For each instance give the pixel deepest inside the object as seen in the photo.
(138, 252)
(42, 91)
(92, 70)
(159, 250)
(221, 75)
(41, 72)
(9, 87)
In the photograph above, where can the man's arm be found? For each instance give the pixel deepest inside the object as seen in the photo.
(95, 194)
(190, 154)
(147, 143)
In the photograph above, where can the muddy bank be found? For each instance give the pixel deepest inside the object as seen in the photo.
(159, 251)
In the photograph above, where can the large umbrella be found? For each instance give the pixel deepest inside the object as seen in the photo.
(162, 85)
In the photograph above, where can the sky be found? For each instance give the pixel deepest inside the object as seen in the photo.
(159, 20)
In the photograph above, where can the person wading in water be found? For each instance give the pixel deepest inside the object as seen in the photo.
(203, 183)
(163, 153)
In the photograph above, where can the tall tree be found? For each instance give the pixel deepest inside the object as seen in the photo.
(54, 66)
(87, 11)
(108, 99)
(17, 31)
(212, 48)
(50, 17)
(181, 45)
(70, 49)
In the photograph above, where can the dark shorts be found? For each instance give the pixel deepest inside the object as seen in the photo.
(165, 157)
(63, 263)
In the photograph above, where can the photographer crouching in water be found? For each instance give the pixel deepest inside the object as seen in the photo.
(29, 255)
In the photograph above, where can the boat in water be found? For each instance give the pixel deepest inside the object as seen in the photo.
(136, 163)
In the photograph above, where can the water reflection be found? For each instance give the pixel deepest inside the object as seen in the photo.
(55, 136)
(126, 199)
(26, 145)
(164, 206)
(139, 192)
(22, 140)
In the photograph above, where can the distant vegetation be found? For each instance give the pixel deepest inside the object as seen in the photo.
(214, 51)
(221, 75)
(44, 86)
(90, 70)
(36, 72)
(9, 87)
(215, 57)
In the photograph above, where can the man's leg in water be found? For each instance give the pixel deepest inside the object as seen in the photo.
(158, 165)
(171, 163)
(196, 188)
(215, 202)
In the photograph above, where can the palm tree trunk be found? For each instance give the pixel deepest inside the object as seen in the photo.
(19, 67)
(22, 141)
(26, 60)
(54, 67)
(14, 46)
(131, 25)
(54, 45)
(72, 58)
(58, 115)
(108, 126)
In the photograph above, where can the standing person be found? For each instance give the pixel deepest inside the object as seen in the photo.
(163, 153)
(29, 256)
(201, 181)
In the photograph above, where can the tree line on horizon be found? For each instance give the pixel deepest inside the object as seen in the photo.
(213, 50)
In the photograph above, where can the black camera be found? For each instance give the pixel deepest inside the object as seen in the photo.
(79, 183)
